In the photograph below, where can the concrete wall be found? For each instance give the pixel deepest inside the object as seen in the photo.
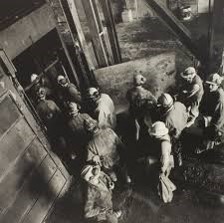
(19, 36)
(116, 80)
(203, 6)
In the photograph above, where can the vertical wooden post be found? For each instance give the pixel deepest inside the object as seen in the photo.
(80, 34)
(110, 23)
(96, 31)
(68, 58)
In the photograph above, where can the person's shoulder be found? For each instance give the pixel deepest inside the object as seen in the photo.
(220, 94)
(179, 105)
(197, 79)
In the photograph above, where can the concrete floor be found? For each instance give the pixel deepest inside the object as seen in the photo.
(141, 205)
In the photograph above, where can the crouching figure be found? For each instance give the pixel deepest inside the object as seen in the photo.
(98, 205)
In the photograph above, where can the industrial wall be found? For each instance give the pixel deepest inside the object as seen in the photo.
(116, 80)
(31, 176)
(21, 35)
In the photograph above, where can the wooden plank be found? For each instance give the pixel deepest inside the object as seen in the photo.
(2, 84)
(95, 29)
(18, 174)
(79, 31)
(8, 114)
(45, 202)
(33, 189)
(177, 27)
(14, 143)
(112, 34)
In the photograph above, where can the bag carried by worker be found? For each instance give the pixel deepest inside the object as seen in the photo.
(165, 188)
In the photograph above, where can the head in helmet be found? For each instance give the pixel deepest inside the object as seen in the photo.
(189, 74)
(165, 102)
(91, 125)
(90, 173)
(92, 94)
(33, 77)
(62, 81)
(214, 81)
(158, 130)
(41, 93)
(139, 80)
(73, 109)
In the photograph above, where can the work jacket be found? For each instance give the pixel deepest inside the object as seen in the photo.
(105, 144)
(78, 133)
(70, 93)
(138, 97)
(187, 93)
(176, 119)
(104, 112)
(213, 105)
(98, 200)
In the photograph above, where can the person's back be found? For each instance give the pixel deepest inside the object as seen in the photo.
(78, 134)
(176, 119)
(105, 112)
(104, 143)
(48, 111)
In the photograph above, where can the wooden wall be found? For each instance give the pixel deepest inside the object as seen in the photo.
(31, 176)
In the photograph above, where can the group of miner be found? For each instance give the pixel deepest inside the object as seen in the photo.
(85, 128)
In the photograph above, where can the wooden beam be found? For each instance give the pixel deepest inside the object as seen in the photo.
(110, 24)
(80, 34)
(177, 27)
(96, 30)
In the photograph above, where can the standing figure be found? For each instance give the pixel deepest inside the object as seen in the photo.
(175, 117)
(190, 92)
(68, 91)
(54, 121)
(98, 206)
(212, 108)
(139, 100)
(78, 134)
(163, 153)
(103, 109)
(106, 149)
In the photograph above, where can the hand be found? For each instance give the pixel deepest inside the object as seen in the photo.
(118, 213)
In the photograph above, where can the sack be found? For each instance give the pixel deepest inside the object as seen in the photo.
(165, 188)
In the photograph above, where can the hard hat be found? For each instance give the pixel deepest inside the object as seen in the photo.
(88, 171)
(139, 79)
(90, 124)
(165, 100)
(188, 71)
(158, 129)
(214, 79)
(41, 92)
(61, 80)
(33, 77)
(92, 93)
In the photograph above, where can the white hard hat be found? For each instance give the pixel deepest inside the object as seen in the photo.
(33, 77)
(158, 129)
(92, 93)
(214, 79)
(188, 71)
(139, 79)
(165, 100)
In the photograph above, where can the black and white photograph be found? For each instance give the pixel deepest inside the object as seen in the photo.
(112, 111)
